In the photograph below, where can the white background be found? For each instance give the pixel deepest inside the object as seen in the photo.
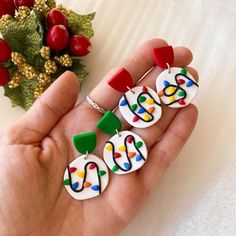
(197, 195)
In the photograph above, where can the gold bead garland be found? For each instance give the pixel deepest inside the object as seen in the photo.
(44, 79)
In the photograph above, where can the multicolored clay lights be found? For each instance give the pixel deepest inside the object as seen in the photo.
(125, 152)
(140, 106)
(87, 176)
(175, 86)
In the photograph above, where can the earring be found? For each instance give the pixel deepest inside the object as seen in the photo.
(125, 152)
(175, 86)
(140, 106)
(87, 176)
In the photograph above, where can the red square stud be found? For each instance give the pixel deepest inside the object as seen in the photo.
(121, 80)
(164, 55)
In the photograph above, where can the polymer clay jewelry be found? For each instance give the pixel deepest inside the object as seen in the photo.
(125, 152)
(87, 176)
(140, 106)
(175, 86)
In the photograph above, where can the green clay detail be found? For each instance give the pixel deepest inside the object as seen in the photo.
(139, 144)
(181, 93)
(134, 107)
(85, 142)
(102, 172)
(183, 71)
(115, 168)
(109, 123)
(141, 99)
(66, 182)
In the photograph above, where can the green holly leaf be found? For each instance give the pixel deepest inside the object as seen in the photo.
(79, 69)
(23, 95)
(85, 25)
(25, 37)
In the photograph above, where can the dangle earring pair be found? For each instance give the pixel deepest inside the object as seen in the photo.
(87, 176)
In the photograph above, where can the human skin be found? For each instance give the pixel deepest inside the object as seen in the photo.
(35, 151)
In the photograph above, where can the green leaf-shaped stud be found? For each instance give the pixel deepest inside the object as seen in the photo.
(183, 71)
(115, 168)
(66, 182)
(102, 172)
(85, 142)
(139, 144)
(134, 107)
(181, 93)
(109, 123)
(141, 99)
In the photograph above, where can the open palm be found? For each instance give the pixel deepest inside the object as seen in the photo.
(35, 152)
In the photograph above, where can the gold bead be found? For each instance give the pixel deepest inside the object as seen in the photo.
(64, 60)
(51, 4)
(44, 79)
(50, 67)
(28, 71)
(4, 21)
(17, 58)
(23, 13)
(15, 80)
(39, 5)
(38, 91)
(45, 52)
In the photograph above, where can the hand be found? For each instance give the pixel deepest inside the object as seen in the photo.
(36, 150)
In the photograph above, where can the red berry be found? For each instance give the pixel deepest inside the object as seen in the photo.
(5, 51)
(26, 3)
(4, 76)
(58, 37)
(56, 17)
(79, 45)
(7, 7)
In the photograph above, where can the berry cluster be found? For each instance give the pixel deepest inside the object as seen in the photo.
(5, 55)
(58, 36)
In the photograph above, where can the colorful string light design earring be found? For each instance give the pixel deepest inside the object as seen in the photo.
(175, 86)
(87, 176)
(140, 105)
(125, 152)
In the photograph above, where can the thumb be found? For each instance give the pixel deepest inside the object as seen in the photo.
(53, 104)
